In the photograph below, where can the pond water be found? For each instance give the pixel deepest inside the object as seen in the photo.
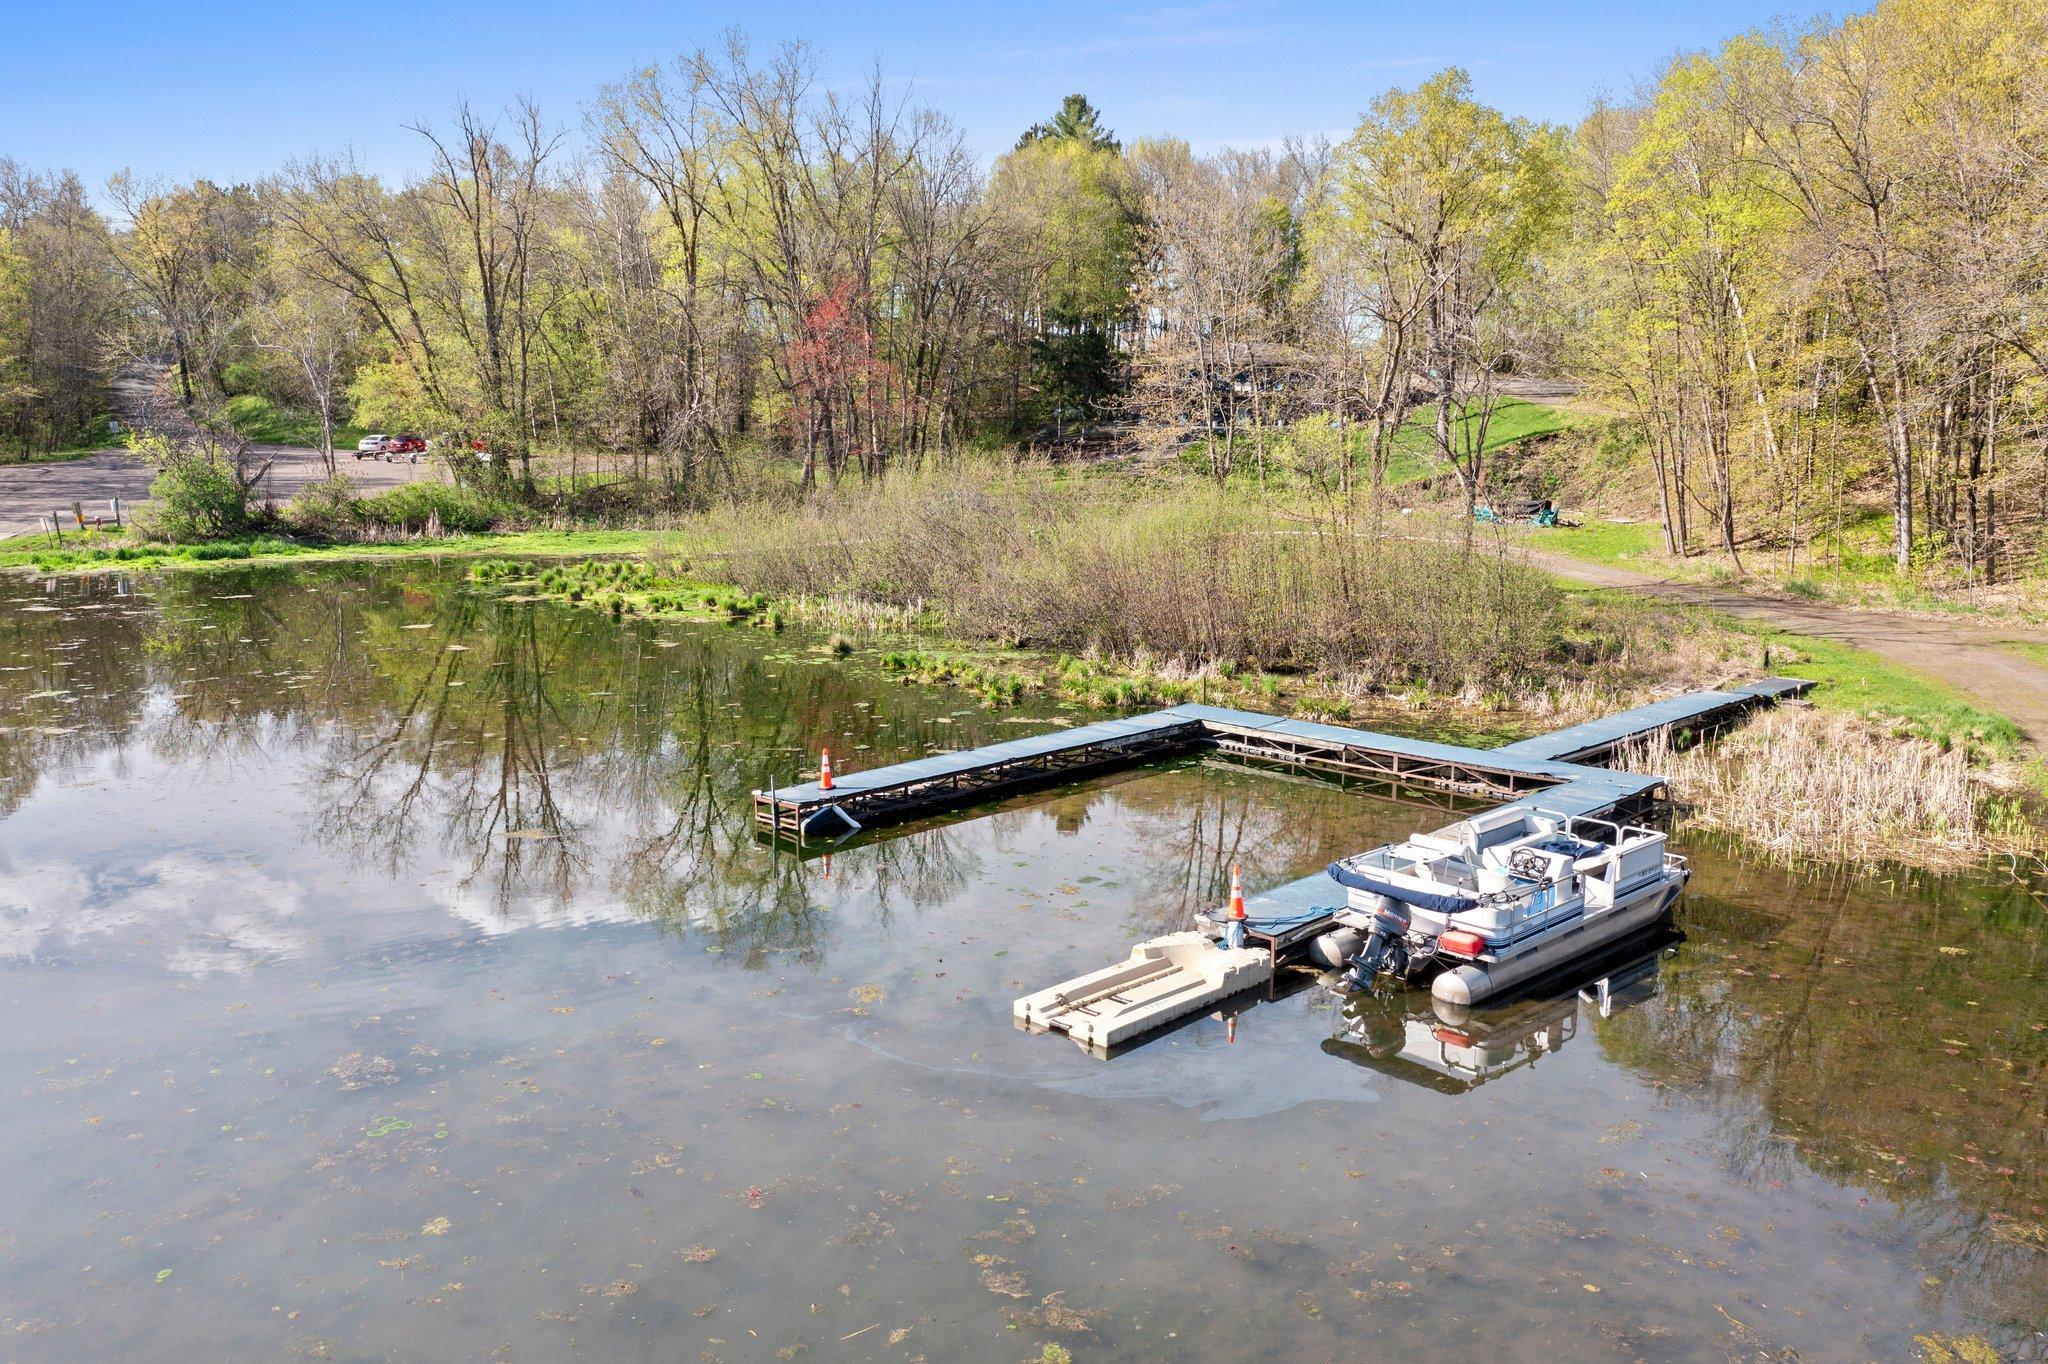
(389, 970)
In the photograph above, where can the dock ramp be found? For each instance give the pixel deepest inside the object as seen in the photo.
(1163, 979)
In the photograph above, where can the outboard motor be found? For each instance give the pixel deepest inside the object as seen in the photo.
(1386, 947)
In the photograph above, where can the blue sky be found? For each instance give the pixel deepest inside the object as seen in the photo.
(233, 90)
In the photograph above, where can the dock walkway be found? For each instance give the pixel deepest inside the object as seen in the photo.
(1558, 771)
(1699, 712)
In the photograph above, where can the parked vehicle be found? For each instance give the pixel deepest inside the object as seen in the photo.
(1501, 897)
(371, 447)
(408, 444)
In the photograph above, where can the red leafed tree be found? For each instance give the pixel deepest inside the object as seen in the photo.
(844, 394)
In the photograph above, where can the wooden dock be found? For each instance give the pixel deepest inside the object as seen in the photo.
(888, 795)
(1559, 771)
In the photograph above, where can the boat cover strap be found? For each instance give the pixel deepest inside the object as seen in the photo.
(1420, 899)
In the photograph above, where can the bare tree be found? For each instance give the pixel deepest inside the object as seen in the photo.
(1215, 294)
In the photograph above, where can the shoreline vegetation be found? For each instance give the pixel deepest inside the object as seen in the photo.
(1803, 784)
(1116, 594)
(1087, 593)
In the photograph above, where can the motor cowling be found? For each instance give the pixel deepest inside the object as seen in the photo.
(1384, 952)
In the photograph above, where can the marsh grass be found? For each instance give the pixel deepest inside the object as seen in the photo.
(1813, 784)
(624, 587)
(1195, 579)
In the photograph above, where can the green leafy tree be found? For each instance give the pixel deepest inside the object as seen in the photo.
(1452, 201)
(1069, 207)
(1078, 122)
(15, 285)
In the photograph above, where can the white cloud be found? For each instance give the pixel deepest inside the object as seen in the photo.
(206, 916)
(476, 905)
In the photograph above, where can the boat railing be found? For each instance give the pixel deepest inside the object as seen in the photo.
(1522, 906)
(1570, 825)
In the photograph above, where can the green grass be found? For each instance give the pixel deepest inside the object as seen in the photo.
(1600, 542)
(56, 456)
(1413, 453)
(1863, 683)
(2037, 654)
(1855, 567)
(88, 553)
(257, 418)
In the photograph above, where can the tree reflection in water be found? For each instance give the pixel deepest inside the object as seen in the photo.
(575, 768)
(1886, 1031)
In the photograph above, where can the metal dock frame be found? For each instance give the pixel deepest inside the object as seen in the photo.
(892, 794)
(1399, 762)
(1558, 769)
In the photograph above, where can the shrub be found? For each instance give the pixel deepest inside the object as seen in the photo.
(195, 496)
(424, 506)
(327, 509)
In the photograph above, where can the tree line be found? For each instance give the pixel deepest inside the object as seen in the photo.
(1806, 270)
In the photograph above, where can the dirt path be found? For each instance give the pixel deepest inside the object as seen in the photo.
(1965, 655)
(29, 492)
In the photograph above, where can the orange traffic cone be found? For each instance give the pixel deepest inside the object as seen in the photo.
(1236, 893)
(825, 771)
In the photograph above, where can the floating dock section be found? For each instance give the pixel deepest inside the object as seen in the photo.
(944, 781)
(1694, 715)
(1561, 770)
(1163, 979)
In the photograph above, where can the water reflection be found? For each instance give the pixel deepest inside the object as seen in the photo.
(1453, 1049)
(487, 843)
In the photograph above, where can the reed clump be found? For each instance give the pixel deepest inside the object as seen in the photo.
(1804, 783)
(1187, 577)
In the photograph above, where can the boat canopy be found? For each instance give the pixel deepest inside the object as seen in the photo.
(1434, 901)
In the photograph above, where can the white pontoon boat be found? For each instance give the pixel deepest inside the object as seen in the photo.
(1502, 897)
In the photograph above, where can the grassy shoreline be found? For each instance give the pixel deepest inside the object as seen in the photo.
(1854, 681)
(699, 573)
(82, 553)
(1839, 781)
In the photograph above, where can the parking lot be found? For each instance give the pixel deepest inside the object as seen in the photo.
(29, 492)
